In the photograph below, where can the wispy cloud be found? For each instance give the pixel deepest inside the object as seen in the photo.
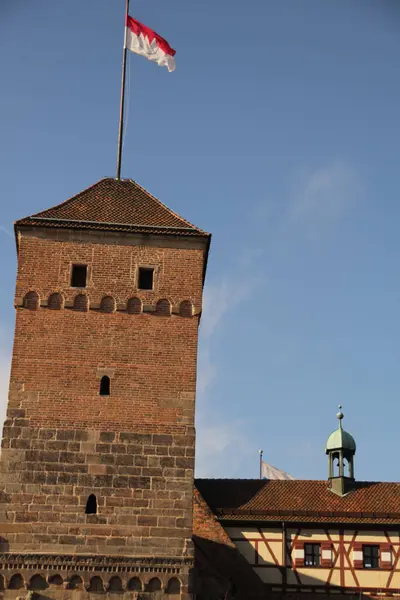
(217, 442)
(6, 231)
(322, 196)
(317, 200)
(206, 371)
(219, 436)
(220, 298)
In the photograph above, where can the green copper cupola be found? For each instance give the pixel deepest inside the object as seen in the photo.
(341, 449)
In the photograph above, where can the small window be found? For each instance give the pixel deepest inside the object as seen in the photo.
(78, 276)
(370, 557)
(105, 386)
(312, 555)
(91, 505)
(145, 280)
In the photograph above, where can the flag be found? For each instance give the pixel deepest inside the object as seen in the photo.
(270, 472)
(146, 42)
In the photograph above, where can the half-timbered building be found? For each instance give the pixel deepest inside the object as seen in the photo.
(338, 536)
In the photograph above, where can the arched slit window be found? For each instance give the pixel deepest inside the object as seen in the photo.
(105, 386)
(91, 505)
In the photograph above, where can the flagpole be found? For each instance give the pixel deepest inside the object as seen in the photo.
(122, 104)
(261, 452)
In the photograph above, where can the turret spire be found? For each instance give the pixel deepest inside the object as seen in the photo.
(340, 416)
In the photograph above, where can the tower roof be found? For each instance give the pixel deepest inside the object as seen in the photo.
(340, 439)
(114, 205)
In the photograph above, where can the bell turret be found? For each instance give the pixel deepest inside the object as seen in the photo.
(341, 449)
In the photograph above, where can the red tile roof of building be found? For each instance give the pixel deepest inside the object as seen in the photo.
(205, 524)
(300, 500)
(114, 205)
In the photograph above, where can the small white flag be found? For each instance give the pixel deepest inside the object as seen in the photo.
(270, 472)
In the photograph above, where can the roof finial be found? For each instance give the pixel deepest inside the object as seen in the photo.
(340, 416)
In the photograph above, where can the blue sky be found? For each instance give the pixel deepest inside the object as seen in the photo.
(279, 133)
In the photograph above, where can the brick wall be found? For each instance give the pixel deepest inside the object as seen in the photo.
(60, 357)
(45, 258)
(63, 441)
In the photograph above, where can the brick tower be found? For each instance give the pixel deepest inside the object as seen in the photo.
(96, 479)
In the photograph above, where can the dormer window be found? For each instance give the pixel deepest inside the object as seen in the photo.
(79, 276)
(145, 278)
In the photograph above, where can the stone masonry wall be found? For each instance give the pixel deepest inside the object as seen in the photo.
(142, 483)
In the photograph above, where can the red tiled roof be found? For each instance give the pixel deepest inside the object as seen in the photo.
(116, 205)
(205, 524)
(300, 500)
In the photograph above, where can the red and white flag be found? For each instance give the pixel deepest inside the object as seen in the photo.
(146, 42)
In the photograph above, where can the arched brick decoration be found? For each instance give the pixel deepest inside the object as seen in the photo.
(107, 304)
(163, 308)
(115, 585)
(16, 582)
(31, 300)
(154, 585)
(55, 301)
(55, 580)
(96, 585)
(134, 306)
(134, 585)
(75, 583)
(81, 303)
(38, 582)
(186, 309)
(174, 586)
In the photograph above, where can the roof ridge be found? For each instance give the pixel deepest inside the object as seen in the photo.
(225, 479)
(293, 481)
(165, 206)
